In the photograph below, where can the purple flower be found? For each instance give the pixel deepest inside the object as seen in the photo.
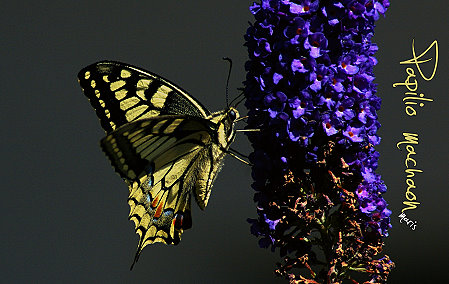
(298, 107)
(306, 7)
(343, 109)
(271, 223)
(316, 43)
(275, 103)
(319, 77)
(297, 31)
(277, 77)
(354, 134)
(310, 90)
(346, 65)
(297, 66)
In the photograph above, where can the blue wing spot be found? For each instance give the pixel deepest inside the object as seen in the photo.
(165, 218)
(168, 213)
(150, 170)
(148, 198)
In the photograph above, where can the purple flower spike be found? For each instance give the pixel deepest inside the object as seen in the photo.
(310, 90)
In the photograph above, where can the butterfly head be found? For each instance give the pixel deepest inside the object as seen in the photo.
(232, 114)
(230, 117)
(225, 120)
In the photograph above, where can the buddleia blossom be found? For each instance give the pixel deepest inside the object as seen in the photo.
(310, 90)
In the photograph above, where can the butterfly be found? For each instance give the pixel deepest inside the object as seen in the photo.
(164, 143)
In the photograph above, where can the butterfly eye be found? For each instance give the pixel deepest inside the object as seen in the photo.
(232, 115)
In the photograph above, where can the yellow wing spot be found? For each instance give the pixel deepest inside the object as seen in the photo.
(129, 103)
(125, 74)
(97, 93)
(148, 241)
(105, 78)
(120, 94)
(141, 94)
(108, 114)
(135, 112)
(141, 86)
(131, 174)
(145, 221)
(162, 234)
(101, 103)
(158, 99)
(151, 231)
(145, 124)
(173, 125)
(93, 84)
(112, 124)
(164, 89)
(131, 203)
(117, 85)
(139, 210)
(125, 167)
(143, 83)
(158, 125)
(138, 133)
(122, 160)
(158, 102)
(151, 113)
(87, 75)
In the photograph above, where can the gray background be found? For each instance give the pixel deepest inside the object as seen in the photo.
(63, 209)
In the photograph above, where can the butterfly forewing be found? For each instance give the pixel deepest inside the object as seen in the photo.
(161, 141)
(121, 93)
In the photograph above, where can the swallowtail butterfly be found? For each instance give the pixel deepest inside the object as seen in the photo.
(161, 141)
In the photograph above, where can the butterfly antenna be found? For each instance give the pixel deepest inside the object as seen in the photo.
(237, 155)
(241, 100)
(227, 81)
(238, 97)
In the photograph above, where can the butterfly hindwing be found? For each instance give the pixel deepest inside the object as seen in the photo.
(164, 159)
(121, 93)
